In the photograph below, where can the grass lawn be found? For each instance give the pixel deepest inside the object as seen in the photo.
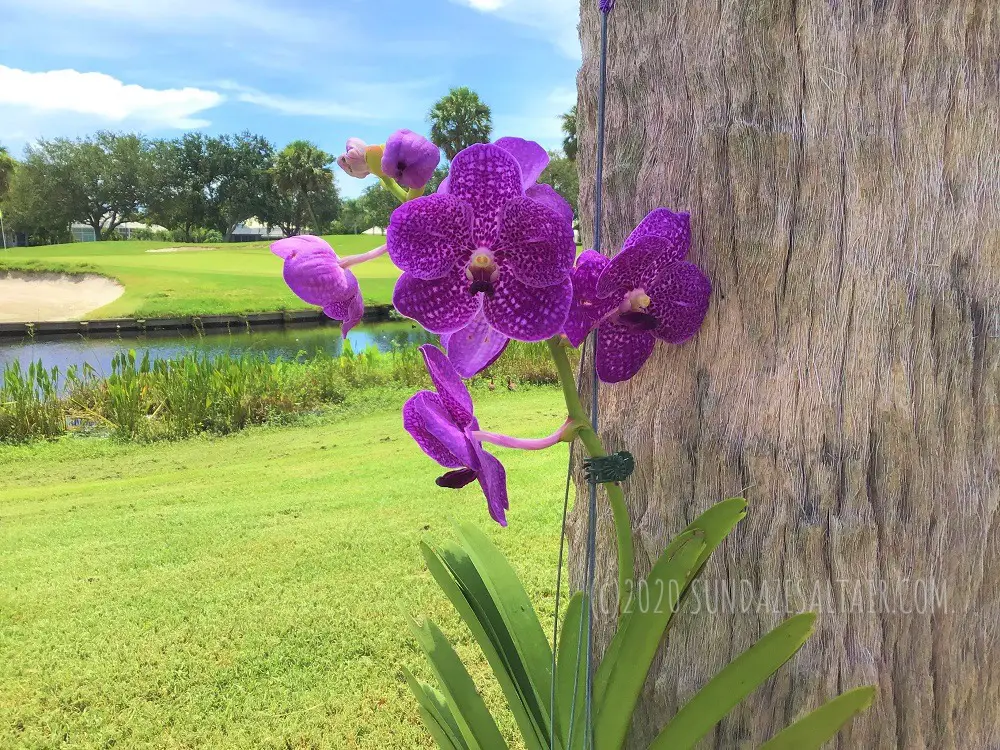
(245, 592)
(207, 280)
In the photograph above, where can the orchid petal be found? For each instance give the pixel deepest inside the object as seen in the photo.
(290, 246)
(450, 388)
(475, 347)
(493, 480)
(428, 236)
(547, 196)
(530, 156)
(535, 243)
(664, 223)
(486, 177)
(439, 305)
(316, 277)
(528, 313)
(349, 313)
(587, 308)
(429, 424)
(679, 301)
(621, 351)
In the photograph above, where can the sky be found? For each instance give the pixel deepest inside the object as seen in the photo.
(322, 70)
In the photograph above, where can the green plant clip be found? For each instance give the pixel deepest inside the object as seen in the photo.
(614, 468)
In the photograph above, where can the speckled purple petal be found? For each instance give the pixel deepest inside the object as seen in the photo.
(428, 236)
(474, 348)
(428, 422)
(528, 313)
(638, 266)
(621, 352)
(486, 177)
(535, 244)
(531, 158)
(547, 196)
(679, 301)
(587, 308)
(316, 278)
(450, 388)
(439, 305)
(291, 245)
(664, 223)
(349, 312)
(493, 480)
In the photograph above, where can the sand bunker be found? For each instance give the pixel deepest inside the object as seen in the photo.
(50, 296)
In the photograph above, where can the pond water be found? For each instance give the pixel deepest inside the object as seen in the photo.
(286, 342)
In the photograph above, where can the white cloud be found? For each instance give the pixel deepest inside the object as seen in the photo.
(556, 19)
(544, 124)
(105, 98)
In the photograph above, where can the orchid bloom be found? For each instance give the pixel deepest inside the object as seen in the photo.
(353, 160)
(314, 273)
(646, 292)
(443, 424)
(483, 246)
(410, 159)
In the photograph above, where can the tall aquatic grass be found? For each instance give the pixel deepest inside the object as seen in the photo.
(143, 399)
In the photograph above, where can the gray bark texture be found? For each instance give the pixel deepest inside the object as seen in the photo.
(841, 163)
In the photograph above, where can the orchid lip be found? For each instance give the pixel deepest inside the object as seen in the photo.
(639, 321)
(457, 479)
(483, 272)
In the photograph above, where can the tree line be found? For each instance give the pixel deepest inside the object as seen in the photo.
(203, 187)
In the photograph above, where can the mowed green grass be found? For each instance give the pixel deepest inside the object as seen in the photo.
(246, 592)
(203, 280)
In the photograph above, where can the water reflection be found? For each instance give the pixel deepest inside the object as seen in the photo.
(286, 342)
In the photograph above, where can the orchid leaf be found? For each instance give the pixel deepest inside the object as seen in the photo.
(470, 713)
(741, 677)
(571, 673)
(455, 573)
(518, 613)
(715, 523)
(641, 639)
(813, 730)
(437, 715)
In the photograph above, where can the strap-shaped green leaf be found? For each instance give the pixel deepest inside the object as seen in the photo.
(437, 716)
(468, 708)
(571, 673)
(734, 683)
(644, 629)
(515, 608)
(816, 728)
(458, 577)
(715, 523)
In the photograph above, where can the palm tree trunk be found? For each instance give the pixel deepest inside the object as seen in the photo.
(841, 162)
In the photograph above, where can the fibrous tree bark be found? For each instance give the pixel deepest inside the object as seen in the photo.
(841, 163)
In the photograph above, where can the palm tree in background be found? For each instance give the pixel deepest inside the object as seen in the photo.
(569, 132)
(301, 169)
(6, 172)
(458, 120)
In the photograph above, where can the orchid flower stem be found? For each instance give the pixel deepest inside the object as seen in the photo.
(353, 260)
(592, 444)
(393, 187)
(563, 434)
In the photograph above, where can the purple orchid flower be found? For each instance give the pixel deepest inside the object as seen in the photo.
(314, 273)
(443, 424)
(474, 348)
(483, 245)
(646, 292)
(410, 159)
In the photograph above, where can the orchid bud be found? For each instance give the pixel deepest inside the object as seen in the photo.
(410, 159)
(607, 6)
(352, 160)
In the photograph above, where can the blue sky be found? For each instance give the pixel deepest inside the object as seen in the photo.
(285, 68)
